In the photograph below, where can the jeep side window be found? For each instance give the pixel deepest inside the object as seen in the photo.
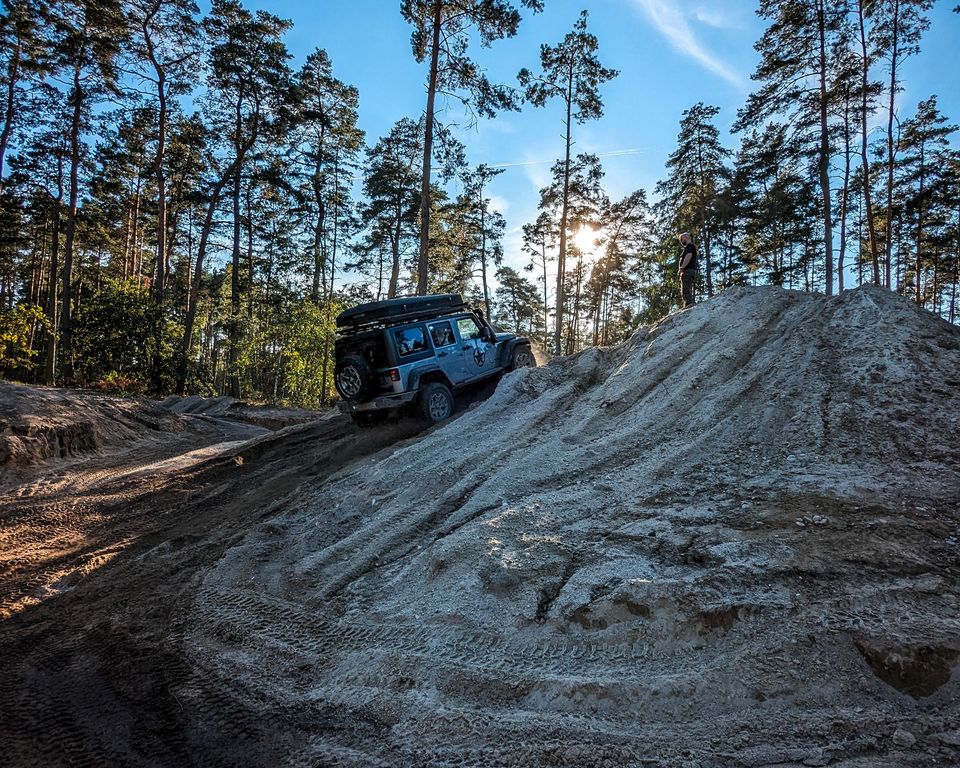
(410, 340)
(468, 328)
(442, 334)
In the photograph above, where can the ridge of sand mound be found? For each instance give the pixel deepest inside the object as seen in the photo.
(730, 541)
(38, 425)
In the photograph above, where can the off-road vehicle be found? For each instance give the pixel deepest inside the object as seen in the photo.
(413, 353)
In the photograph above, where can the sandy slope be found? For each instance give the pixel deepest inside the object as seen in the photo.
(731, 541)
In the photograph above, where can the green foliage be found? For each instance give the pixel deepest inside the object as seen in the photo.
(17, 328)
(170, 179)
(120, 334)
(307, 342)
(457, 73)
(519, 303)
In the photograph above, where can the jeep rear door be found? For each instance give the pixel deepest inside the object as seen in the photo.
(448, 351)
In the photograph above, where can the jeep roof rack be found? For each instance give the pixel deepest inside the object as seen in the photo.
(403, 309)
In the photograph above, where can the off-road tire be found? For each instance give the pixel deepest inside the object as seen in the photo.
(522, 357)
(436, 402)
(352, 377)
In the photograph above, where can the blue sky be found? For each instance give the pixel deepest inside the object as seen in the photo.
(670, 54)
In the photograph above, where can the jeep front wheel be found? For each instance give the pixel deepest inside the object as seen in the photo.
(436, 402)
(352, 377)
(522, 358)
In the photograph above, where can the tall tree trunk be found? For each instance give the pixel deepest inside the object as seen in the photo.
(163, 266)
(546, 308)
(891, 148)
(76, 98)
(423, 261)
(702, 206)
(251, 271)
(234, 353)
(395, 250)
(825, 149)
(564, 214)
(13, 75)
(333, 267)
(844, 195)
(50, 367)
(918, 294)
(956, 283)
(158, 160)
(864, 159)
(319, 268)
(193, 293)
(483, 254)
(136, 256)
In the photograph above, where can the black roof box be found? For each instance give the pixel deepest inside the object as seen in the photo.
(403, 309)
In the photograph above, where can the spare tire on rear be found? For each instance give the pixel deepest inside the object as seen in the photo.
(353, 377)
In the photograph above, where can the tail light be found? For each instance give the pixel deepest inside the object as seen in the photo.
(394, 374)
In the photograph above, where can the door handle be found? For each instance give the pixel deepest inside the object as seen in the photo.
(466, 347)
(441, 354)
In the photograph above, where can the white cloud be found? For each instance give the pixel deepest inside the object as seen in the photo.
(714, 17)
(537, 172)
(498, 203)
(673, 24)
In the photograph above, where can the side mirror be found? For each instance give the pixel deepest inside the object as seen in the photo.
(489, 335)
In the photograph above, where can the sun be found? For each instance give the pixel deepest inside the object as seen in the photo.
(586, 239)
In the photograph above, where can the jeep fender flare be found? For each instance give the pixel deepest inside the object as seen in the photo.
(506, 352)
(433, 372)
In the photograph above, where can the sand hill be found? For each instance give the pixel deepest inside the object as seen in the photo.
(731, 541)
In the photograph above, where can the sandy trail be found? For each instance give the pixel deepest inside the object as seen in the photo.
(57, 527)
(730, 542)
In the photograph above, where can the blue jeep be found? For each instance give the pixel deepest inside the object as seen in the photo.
(414, 352)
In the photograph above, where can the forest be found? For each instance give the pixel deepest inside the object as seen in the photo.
(185, 210)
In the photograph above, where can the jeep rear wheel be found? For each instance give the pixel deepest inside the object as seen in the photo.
(352, 377)
(436, 402)
(522, 357)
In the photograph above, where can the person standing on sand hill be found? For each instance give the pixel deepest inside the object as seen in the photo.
(687, 269)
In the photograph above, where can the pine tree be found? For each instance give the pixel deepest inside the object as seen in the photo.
(795, 72)
(89, 35)
(571, 72)
(390, 215)
(247, 83)
(696, 168)
(924, 140)
(328, 143)
(488, 225)
(518, 304)
(898, 27)
(773, 182)
(576, 200)
(539, 237)
(121, 189)
(866, 88)
(442, 31)
(22, 48)
(627, 245)
(166, 51)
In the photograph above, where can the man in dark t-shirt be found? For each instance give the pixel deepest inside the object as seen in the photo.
(687, 269)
